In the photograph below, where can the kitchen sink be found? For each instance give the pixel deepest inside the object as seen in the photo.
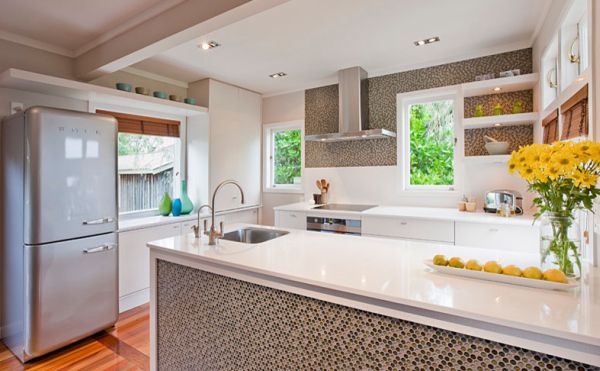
(253, 235)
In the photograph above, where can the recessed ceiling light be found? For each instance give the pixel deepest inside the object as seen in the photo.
(277, 75)
(427, 41)
(497, 88)
(209, 45)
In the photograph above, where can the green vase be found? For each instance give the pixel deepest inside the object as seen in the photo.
(164, 208)
(186, 204)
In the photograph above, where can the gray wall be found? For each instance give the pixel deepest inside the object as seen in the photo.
(322, 106)
(23, 57)
(280, 108)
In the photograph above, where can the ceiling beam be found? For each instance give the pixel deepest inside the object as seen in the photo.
(184, 22)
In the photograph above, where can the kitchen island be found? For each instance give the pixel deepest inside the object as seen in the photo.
(313, 300)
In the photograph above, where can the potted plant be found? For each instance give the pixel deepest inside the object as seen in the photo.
(564, 175)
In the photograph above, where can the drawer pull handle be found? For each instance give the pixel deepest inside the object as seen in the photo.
(293, 216)
(403, 223)
(493, 229)
(98, 221)
(101, 248)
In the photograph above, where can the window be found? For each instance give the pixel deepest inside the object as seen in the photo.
(149, 153)
(283, 155)
(429, 143)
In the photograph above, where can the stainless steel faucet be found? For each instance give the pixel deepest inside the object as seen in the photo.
(213, 234)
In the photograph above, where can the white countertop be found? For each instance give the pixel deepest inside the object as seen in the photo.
(416, 212)
(393, 271)
(157, 220)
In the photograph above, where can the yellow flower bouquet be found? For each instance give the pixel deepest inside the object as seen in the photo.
(565, 177)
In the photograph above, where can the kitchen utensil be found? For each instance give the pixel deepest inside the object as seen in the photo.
(141, 90)
(489, 139)
(319, 185)
(494, 199)
(160, 94)
(497, 148)
(124, 86)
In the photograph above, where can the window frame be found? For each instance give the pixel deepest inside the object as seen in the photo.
(180, 162)
(404, 101)
(268, 133)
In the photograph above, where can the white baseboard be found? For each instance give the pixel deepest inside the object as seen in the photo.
(134, 299)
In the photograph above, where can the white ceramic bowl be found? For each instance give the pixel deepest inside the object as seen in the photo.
(497, 148)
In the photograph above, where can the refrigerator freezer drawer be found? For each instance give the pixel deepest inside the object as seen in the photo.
(71, 291)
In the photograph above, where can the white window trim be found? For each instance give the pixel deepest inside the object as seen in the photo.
(268, 130)
(403, 102)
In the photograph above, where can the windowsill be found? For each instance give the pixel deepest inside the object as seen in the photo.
(292, 190)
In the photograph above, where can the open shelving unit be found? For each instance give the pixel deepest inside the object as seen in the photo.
(506, 85)
(44, 84)
(500, 120)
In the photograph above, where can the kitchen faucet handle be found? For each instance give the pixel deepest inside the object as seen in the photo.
(221, 229)
(205, 225)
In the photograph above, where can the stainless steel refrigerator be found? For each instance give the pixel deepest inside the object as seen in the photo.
(59, 222)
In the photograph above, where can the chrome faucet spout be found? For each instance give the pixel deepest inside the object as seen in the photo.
(213, 234)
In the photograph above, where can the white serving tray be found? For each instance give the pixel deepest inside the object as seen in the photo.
(481, 275)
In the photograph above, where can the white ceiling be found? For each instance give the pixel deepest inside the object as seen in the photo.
(71, 27)
(311, 39)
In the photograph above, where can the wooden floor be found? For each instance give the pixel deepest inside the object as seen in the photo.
(124, 347)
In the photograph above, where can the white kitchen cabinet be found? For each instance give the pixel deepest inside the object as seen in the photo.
(498, 236)
(409, 228)
(134, 261)
(235, 137)
(290, 219)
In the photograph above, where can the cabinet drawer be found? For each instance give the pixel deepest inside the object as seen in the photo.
(498, 236)
(409, 228)
(290, 219)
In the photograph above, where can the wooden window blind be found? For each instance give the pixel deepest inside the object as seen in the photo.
(135, 124)
(575, 115)
(550, 125)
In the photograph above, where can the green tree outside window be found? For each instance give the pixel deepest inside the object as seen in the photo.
(432, 143)
(287, 156)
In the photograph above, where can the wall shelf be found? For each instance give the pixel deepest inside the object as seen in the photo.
(488, 159)
(50, 85)
(500, 120)
(506, 84)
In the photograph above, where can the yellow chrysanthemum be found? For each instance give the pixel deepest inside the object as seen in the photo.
(565, 161)
(589, 180)
(528, 173)
(552, 171)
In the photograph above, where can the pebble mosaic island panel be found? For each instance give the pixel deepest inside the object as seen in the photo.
(321, 107)
(212, 322)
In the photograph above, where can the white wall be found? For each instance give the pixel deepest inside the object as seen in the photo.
(280, 108)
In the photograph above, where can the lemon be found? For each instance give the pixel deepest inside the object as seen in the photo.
(555, 275)
(512, 270)
(532, 272)
(492, 267)
(440, 260)
(473, 265)
(456, 262)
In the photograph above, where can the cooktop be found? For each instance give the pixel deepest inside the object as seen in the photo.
(345, 207)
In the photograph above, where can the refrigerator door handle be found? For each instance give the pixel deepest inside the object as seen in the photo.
(98, 221)
(101, 248)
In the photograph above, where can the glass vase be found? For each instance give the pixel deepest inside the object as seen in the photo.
(560, 245)
(186, 204)
(164, 206)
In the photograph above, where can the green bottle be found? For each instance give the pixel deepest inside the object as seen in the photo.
(478, 111)
(164, 208)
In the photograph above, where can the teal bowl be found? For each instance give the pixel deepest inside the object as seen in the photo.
(124, 86)
(160, 94)
(190, 101)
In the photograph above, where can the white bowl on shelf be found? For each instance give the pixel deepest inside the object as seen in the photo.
(498, 148)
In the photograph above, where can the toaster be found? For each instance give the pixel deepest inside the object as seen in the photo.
(494, 199)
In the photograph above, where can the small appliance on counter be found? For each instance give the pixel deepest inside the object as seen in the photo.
(495, 199)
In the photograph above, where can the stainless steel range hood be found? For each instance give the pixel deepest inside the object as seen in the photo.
(354, 110)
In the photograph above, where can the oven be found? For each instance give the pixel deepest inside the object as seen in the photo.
(333, 225)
